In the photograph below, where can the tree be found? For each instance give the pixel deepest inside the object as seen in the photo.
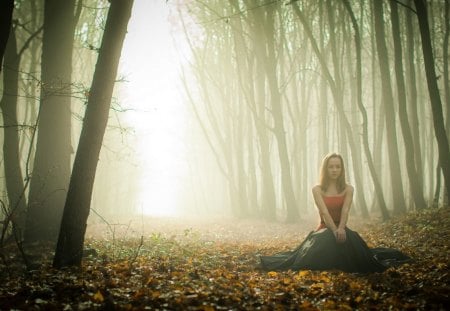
(412, 87)
(269, 64)
(14, 180)
(8, 104)
(51, 169)
(433, 90)
(365, 136)
(6, 12)
(69, 248)
(336, 91)
(415, 181)
(388, 102)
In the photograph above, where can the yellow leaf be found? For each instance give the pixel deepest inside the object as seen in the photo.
(305, 305)
(156, 294)
(325, 278)
(358, 299)
(355, 286)
(345, 306)
(272, 274)
(98, 297)
(303, 273)
(329, 304)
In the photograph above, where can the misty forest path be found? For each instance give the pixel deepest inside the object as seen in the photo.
(186, 264)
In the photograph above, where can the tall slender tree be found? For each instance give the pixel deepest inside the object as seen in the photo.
(270, 66)
(362, 108)
(76, 210)
(415, 181)
(51, 169)
(11, 155)
(336, 92)
(433, 90)
(388, 102)
(412, 88)
(344, 123)
(6, 13)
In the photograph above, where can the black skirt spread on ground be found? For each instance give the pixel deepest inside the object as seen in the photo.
(321, 251)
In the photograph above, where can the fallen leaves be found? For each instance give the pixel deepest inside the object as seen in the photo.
(190, 270)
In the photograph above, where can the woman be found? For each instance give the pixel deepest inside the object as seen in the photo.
(332, 245)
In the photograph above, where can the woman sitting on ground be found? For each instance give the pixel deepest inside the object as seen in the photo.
(333, 245)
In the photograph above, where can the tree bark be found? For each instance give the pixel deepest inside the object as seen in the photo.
(278, 118)
(365, 135)
(69, 249)
(415, 180)
(268, 196)
(11, 155)
(51, 169)
(412, 86)
(433, 90)
(6, 13)
(388, 101)
(446, 75)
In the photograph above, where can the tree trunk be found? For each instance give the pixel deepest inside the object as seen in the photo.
(365, 135)
(446, 75)
(11, 155)
(335, 91)
(277, 113)
(435, 98)
(244, 65)
(76, 210)
(51, 169)
(323, 143)
(415, 180)
(6, 12)
(411, 74)
(268, 196)
(360, 198)
(388, 101)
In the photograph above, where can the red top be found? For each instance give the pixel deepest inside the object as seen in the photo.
(334, 205)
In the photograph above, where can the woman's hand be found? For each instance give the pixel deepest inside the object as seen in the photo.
(340, 235)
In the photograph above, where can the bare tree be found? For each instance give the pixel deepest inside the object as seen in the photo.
(388, 101)
(416, 184)
(362, 108)
(6, 12)
(51, 169)
(433, 90)
(69, 249)
(412, 88)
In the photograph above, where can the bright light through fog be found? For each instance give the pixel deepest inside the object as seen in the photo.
(150, 63)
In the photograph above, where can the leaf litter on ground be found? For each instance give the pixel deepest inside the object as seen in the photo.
(173, 264)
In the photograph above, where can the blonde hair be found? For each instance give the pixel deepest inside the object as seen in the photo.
(324, 179)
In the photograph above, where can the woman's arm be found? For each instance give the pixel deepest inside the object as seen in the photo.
(346, 207)
(323, 211)
(340, 234)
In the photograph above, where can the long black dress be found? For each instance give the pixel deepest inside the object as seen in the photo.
(320, 251)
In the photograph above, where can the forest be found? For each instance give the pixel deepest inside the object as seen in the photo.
(153, 150)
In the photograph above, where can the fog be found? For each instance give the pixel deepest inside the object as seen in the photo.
(224, 110)
(156, 166)
(186, 142)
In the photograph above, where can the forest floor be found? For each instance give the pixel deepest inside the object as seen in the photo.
(173, 264)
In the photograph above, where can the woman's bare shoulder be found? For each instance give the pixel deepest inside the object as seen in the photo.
(349, 189)
(317, 189)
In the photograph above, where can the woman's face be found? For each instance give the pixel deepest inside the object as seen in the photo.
(334, 168)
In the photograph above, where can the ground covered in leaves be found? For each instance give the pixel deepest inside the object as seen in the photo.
(175, 264)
